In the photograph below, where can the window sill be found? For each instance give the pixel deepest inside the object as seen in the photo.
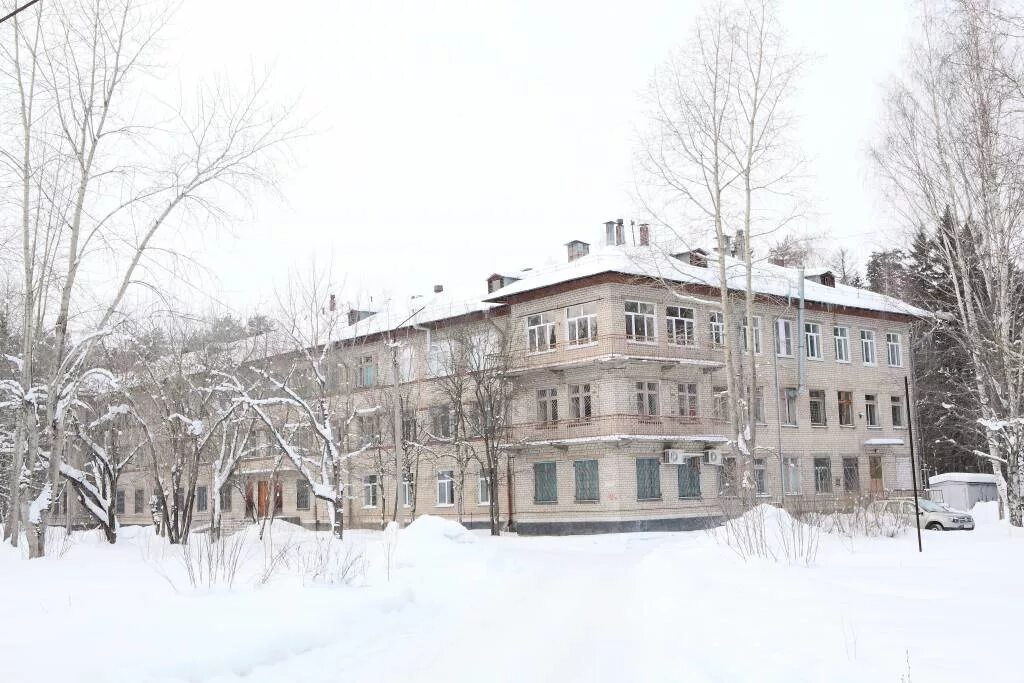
(871, 365)
(874, 426)
(587, 502)
(691, 499)
(545, 502)
(582, 345)
(641, 342)
(484, 505)
(819, 426)
(842, 362)
(789, 426)
(369, 507)
(847, 426)
(649, 500)
(816, 359)
(444, 505)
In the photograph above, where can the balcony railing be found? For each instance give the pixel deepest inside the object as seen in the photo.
(611, 346)
(620, 424)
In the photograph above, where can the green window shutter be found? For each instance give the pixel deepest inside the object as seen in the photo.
(545, 482)
(586, 480)
(689, 479)
(648, 478)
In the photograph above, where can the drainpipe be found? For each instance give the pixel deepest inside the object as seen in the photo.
(802, 358)
(778, 427)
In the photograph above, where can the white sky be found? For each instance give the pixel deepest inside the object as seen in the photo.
(461, 138)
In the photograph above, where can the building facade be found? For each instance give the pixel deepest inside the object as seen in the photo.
(618, 420)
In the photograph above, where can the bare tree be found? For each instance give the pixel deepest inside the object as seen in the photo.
(96, 187)
(952, 155)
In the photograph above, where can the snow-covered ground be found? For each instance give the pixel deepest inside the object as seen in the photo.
(462, 606)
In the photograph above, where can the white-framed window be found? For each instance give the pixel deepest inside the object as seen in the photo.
(366, 371)
(581, 324)
(845, 401)
(716, 328)
(756, 334)
(408, 489)
(783, 337)
(871, 410)
(446, 487)
(791, 476)
(760, 477)
(823, 475)
(581, 402)
(819, 416)
(647, 399)
(894, 349)
(787, 405)
(679, 326)
(370, 482)
(720, 403)
(547, 405)
(483, 487)
(812, 340)
(688, 400)
(841, 337)
(896, 410)
(640, 326)
(540, 333)
(759, 414)
(867, 347)
(436, 359)
(442, 418)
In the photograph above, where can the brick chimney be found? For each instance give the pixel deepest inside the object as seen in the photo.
(645, 234)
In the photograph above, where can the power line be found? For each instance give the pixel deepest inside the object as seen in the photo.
(18, 9)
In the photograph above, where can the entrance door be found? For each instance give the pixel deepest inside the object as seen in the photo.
(875, 470)
(263, 498)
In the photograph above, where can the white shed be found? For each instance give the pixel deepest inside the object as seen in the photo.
(961, 490)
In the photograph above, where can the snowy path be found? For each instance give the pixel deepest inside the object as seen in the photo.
(600, 608)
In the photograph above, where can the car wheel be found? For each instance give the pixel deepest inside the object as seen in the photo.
(935, 526)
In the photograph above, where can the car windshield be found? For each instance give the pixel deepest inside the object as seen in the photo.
(929, 506)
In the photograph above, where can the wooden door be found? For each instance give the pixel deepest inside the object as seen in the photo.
(262, 498)
(875, 469)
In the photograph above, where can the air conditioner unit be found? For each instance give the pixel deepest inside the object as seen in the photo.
(713, 457)
(675, 456)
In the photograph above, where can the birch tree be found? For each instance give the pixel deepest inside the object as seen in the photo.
(952, 153)
(718, 153)
(95, 182)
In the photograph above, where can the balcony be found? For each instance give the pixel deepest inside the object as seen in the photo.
(617, 427)
(611, 348)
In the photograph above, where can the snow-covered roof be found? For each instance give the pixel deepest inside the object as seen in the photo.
(416, 311)
(963, 477)
(653, 262)
(883, 442)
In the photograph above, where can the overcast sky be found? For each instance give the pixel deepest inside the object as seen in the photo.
(461, 138)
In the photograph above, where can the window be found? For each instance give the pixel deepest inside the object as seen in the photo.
(818, 416)
(679, 326)
(896, 408)
(441, 420)
(540, 333)
(547, 405)
(867, 347)
(720, 403)
(225, 498)
(366, 371)
(787, 405)
(689, 478)
(648, 479)
(581, 403)
(483, 487)
(370, 491)
(369, 429)
(851, 475)
(647, 398)
(871, 410)
(894, 350)
(759, 415)
(812, 340)
(823, 475)
(119, 502)
(716, 328)
(727, 478)
(581, 324)
(408, 425)
(408, 489)
(756, 333)
(446, 487)
(845, 408)
(545, 482)
(201, 500)
(791, 475)
(841, 336)
(301, 494)
(688, 400)
(760, 477)
(585, 472)
(783, 337)
(140, 501)
(436, 360)
(640, 322)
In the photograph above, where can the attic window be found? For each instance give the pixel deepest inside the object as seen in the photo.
(696, 257)
(827, 279)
